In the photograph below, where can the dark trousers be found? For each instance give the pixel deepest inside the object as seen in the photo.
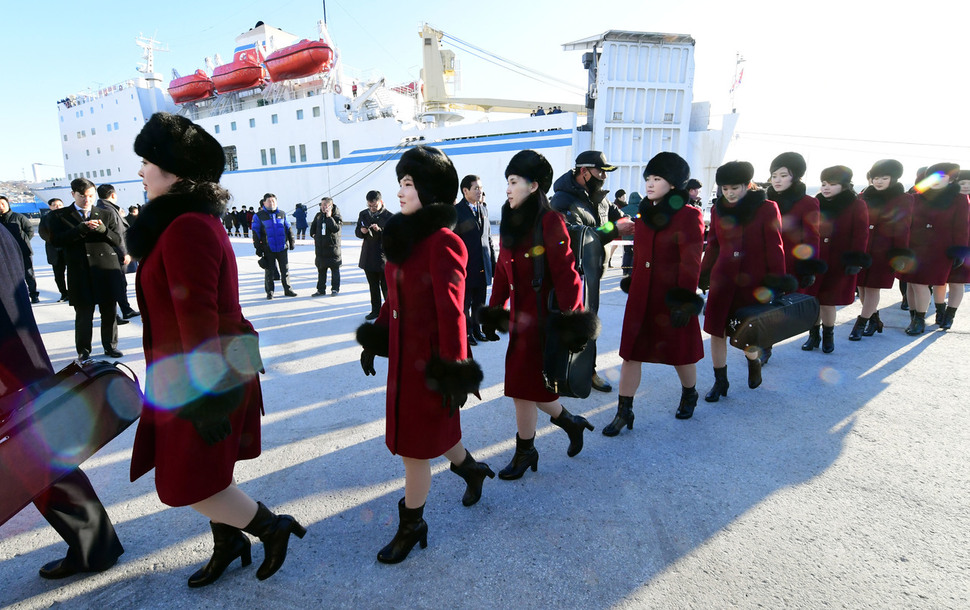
(322, 267)
(84, 326)
(29, 277)
(474, 300)
(378, 286)
(60, 272)
(73, 509)
(123, 303)
(274, 260)
(627, 264)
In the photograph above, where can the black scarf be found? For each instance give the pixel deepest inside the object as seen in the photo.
(744, 210)
(942, 199)
(403, 232)
(157, 214)
(877, 199)
(834, 206)
(657, 215)
(518, 224)
(787, 199)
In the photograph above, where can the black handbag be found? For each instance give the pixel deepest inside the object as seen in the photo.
(766, 324)
(566, 373)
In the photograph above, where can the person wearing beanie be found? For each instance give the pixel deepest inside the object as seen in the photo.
(660, 322)
(959, 276)
(938, 238)
(421, 330)
(890, 211)
(198, 420)
(325, 233)
(529, 176)
(744, 260)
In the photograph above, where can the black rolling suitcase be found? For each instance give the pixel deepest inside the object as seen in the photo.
(48, 428)
(765, 325)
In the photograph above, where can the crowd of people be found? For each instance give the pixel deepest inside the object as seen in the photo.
(439, 285)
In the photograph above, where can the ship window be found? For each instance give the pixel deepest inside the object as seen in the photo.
(87, 174)
(252, 123)
(102, 173)
(109, 171)
(88, 151)
(316, 111)
(65, 137)
(262, 154)
(275, 119)
(302, 153)
(217, 129)
(324, 151)
(65, 156)
(112, 148)
(292, 154)
(109, 127)
(116, 125)
(82, 113)
(299, 114)
(93, 131)
(99, 150)
(272, 156)
(232, 160)
(336, 149)
(232, 126)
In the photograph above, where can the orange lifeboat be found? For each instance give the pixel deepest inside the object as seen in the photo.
(305, 58)
(191, 88)
(244, 72)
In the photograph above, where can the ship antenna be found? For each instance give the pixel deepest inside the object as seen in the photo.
(738, 75)
(149, 46)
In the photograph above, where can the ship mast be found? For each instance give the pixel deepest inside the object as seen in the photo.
(150, 45)
(738, 73)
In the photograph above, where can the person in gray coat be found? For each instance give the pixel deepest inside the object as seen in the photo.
(325, 231)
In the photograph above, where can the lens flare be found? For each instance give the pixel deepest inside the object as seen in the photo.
(928, 182)
(764, 295)
(803, 252)
(830, 375)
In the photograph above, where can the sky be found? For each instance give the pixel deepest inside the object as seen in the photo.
(843, 82)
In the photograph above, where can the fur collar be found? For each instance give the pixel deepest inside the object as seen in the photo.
(787, 199)
(743, 211)
(943, 199)
(518, 225)
(403, 232)
(157, 214)
(833, 207)
(876, 198)
(657, 215)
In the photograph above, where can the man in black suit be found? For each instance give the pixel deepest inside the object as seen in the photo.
(108, 200)
(55, 256)
(90, 237)
(474, 230)
(70, 505)
(370, 228)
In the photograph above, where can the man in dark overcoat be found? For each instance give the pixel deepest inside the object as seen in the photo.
(70, 505)
(474, 230)
(108, 200)
(90, 237)
(22, 231)
(370, 228)
(55, 255)
(325, 232)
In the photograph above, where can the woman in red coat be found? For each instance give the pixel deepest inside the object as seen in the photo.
(938, 238)
(959, 276)
(203, 399)
(844, 229)
(744, 264)
(529, 177)
(421, 329)
(890, 210)
(660, 322)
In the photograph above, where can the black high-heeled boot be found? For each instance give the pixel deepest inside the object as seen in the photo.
(754, 372)
(474, 474)
(525, 457)
(624, 417)
(940, 313)
(873, 326)
(411, 529)
(858, 328)
(721, 385)
(274, 531)
(948, 316)
(828, 339)
(574, 426)
(918, 324)
(814, 338)
(229, 543)
(688, 400)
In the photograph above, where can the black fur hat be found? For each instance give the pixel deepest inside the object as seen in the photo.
(180, 147)
(433, 173)
(669, 166)
(532, 166)
(792, 161)
(963, 175)
(837, 174)
(950, 169)
(734, 172)
(887, 167)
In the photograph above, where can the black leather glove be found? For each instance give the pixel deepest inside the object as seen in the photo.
(292, 246)
(679, 318)
(259, 252)
(806, 280)
(852, 269)
(625, 283)
(367, 362)
(453, 402)
(704, 282)
(576, 344)
(214, 430)
(957, 263)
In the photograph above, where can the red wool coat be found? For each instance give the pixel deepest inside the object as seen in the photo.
(512, 283)
(889, 220)
(961, 275)
(188, 294)
(843, 232)
(940, 222)
(424, 316)
(663, 259)
(799, 234)
(738, 256)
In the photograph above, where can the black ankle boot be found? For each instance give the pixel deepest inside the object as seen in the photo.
(474, 474)
(754, 372)
(229, 543)
(828, 339)
(688, 400)
(873, 326)
(904, 304)
(814, 338)
(918, 325)
(948, 318)
(274, 531)
(720, 386)
(574, 426)
(858, 328)
(525, 457)
(624, 417)
(940, 313)
(411, 530)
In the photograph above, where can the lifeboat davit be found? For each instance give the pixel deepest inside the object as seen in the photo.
(305, 58)
(191, 88)
(244, 72)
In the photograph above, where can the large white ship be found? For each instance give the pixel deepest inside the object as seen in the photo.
(306, 135)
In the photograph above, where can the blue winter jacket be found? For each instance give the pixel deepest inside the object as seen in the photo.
(271, 231)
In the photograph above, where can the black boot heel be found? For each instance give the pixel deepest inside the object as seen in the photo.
(858, 329)
(828, 339)
(814, 338)
(525, 457)
(230, 544)
(274, 531)
(688, 400)
(624, 417)
(720, 387)
(574, 426)
(412, 529)
(474, 474)
(873, 326)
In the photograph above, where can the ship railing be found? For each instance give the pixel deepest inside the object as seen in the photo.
(89, 96)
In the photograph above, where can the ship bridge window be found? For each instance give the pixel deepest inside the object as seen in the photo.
(316, 111)
(324, 151)
(252, 123)
(116, 125)
(108, 170)
(232, 126)
(99, 150)
(275, 119)
(102, 173)
(93, 131)
(65, 156)
(232, 160)
(217, 129)
(302, 153)
(65, 137)
(336, 149)
(88, 151)
(299, 114)
(272, 156)
(292, 154)
(109, 127)
(262, 154)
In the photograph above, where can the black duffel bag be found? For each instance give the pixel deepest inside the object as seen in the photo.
(764, 325)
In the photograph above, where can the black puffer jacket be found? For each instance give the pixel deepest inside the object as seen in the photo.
(325, 232)
(572, 201)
